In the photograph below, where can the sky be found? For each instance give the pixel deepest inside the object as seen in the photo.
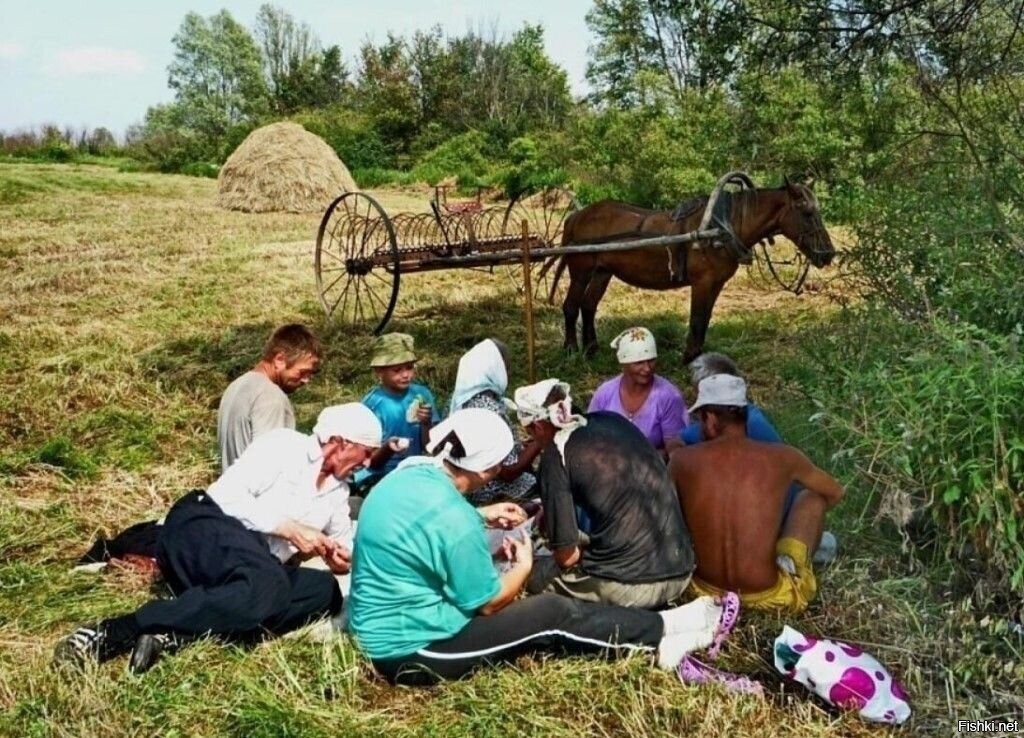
(102, 63)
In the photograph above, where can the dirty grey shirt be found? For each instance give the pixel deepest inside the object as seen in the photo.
(251, 405)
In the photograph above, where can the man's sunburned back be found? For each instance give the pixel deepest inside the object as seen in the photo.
(731, 491)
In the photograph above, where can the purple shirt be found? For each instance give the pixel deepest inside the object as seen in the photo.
(663, 414)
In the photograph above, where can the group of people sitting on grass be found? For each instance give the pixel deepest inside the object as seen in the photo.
(637, 526)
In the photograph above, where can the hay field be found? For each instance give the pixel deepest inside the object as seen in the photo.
(129, 301)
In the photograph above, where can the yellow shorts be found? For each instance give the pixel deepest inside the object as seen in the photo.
(791, 593)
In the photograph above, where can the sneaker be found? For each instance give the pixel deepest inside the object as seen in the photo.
(90, 643)
(149, 647)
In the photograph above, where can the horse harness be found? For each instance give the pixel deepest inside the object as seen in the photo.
(721, 218)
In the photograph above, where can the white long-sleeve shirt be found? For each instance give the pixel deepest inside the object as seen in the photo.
(274, 480)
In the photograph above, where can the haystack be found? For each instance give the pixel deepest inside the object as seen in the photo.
(282, 167)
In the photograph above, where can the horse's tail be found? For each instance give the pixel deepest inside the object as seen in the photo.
(554, 280)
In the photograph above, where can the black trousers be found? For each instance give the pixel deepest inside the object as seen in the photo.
(226, 580)
(545, 623)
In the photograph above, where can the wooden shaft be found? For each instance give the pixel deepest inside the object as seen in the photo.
(528, 286)
(514, 251)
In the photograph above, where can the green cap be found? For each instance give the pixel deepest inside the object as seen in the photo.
(391, 349)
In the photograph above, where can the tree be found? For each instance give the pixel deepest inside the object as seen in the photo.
(967, 58)
(216, 75)
(387, 92)
(431, 87)
(298, 72)
(650, 50)
(101, 142)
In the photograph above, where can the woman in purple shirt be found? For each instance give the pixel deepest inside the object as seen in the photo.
(652, 403)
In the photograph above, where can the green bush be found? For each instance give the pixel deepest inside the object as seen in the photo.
(528, 168)
(466, 156)
(58, 151)
(651, 157)
(352, 136)
(938, 244)
(375, 177)
(201, 169)
(931, 414)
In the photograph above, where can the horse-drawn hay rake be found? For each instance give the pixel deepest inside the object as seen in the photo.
(362, 252)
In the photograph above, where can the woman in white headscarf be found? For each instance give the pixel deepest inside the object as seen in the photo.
(650, 402)
(481, 382)
(428, 603)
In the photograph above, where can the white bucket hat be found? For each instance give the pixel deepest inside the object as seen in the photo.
(635, 344)
(721, 389)
(352, 421)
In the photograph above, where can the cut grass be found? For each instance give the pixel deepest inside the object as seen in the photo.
(129, 301)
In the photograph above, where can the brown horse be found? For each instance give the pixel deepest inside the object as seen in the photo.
(756, 214)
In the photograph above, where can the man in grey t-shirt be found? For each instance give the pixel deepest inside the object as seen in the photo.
(257, 401)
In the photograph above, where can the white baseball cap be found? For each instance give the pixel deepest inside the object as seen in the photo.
(635, 344)
(352, 421)
(721, 389)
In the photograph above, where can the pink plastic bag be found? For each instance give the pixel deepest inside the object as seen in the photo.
(842, 675)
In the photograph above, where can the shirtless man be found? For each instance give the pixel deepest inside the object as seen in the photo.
(723, 485)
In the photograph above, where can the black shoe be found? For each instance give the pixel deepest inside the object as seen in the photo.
(149, 647)
(90, 643)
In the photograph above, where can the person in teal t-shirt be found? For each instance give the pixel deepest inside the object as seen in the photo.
(427, 602)
(405, 408)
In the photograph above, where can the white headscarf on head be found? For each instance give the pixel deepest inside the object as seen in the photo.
(484, 435)
(635, 344)
(529, 406)
(481, 369)
(352, 421)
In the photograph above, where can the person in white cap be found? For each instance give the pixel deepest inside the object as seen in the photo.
(731, 490)
(227, 553)
(601, 467)
(649, 401)
(427, 602)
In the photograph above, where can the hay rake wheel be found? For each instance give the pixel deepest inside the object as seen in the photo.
(545, 212)
(357, 262)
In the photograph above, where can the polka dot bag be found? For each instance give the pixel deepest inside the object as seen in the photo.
(842, 675)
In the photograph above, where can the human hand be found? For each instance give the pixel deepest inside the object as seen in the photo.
(339, 559)
(504, 515)
(542, 432)
(424, 413)
(308, 541)
(397, 444)
(520, 550)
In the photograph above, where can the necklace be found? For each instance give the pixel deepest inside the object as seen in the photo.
(630, 411)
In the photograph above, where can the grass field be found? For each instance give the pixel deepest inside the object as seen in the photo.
(129, 301)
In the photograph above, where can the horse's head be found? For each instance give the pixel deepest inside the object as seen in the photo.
(800, 222)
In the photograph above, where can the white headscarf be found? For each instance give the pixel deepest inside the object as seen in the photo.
(635, 344)
(484, 435)
(352, 421)
(529, 406)
(482, 368)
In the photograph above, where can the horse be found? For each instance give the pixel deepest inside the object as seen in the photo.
(754, 215)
